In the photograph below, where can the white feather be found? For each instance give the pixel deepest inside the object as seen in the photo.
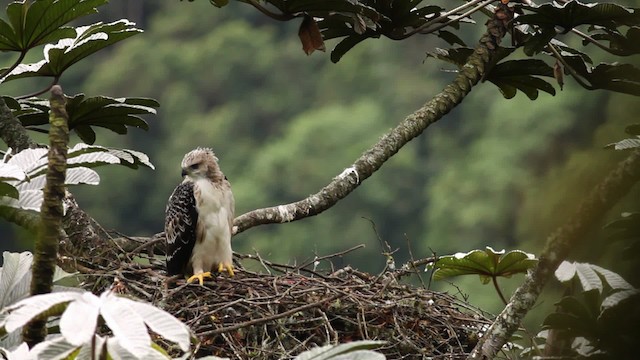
(214, 212)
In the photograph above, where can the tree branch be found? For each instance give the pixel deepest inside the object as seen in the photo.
(370, 161)
(46, 248)
(11, 130)
(606, 194)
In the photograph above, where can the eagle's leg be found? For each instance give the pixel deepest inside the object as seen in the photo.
(200, 277)
(226, 267)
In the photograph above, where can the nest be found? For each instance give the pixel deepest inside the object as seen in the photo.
(283, 310)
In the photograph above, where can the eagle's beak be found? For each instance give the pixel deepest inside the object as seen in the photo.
(184, 172)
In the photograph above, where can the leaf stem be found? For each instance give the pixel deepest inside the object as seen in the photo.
(14, 65)
(494, 280)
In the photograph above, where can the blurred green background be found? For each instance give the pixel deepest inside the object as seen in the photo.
(494, 172)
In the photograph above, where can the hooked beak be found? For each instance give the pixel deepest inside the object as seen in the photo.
(184, 172)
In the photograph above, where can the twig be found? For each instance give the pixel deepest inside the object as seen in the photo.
(269, 318)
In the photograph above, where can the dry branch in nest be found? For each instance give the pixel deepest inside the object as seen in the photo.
(285, 310)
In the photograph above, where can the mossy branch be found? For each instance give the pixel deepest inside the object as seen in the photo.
(412, 126)
(52, 211)
(11, 130)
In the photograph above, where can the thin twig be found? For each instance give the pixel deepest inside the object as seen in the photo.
(269, 318)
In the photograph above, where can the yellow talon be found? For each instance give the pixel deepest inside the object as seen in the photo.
(226, 267)
(200, 277)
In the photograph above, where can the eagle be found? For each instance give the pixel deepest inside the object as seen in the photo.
(199, 219)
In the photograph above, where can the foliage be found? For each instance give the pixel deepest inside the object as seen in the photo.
(15, 277)
(23, 174)
(631, 143)
(44, 23)
(79, 334)
(488, 264)
(534, 31)
(85, 113)
(598, 314)
(355, 350)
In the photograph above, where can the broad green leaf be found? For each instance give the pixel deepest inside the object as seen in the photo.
(85, 40)
(8, 190)
(15, 268)
(487, 264)
(616, 298)
(19, 353)
(575, 13)
(220, 3)
(28, 200)
(78, 322)
(615, 281)
(521, 75)
(92, 350)
(345, 45)
(625, 144)
(53, 349)
(456, 56)
(633, 129)
(627, 227)
(39, 22)
(590, 276)
(333, 351)
(8, 38)
(127, 325)
(622, 45)
(163, 323)
(10, 172)
(25, 310)
(450, 38)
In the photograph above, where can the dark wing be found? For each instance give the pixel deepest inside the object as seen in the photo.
(180, 228)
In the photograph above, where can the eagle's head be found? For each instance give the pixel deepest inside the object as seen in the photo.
(201, 163)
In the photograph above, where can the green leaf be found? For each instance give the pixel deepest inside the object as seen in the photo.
(625, 144)
(616, 298)
(220, 3)
(8, 190)
(35, 23)
(521, 75)
(575, 13)
(345, 45)
(457, 56)
(85, 133)
(487, 264)
(633, 129)
(115, 114)
(623, 78)
(450, 38)
(86, 40)
(8, 38)
(333, 351)
(590, 276)
(623, 45)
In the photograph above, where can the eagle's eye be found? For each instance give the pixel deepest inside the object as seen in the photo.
(193, 166)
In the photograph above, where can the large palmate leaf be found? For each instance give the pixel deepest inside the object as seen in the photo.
(512, 75)
(80, 158)
(115, 114)
(575, 13)
(352, 350)
(509, 76)
(488, 264)
(34, 23)
(84, 41)
(128, 320)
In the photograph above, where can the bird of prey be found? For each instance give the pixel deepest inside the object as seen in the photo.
(199, 219)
